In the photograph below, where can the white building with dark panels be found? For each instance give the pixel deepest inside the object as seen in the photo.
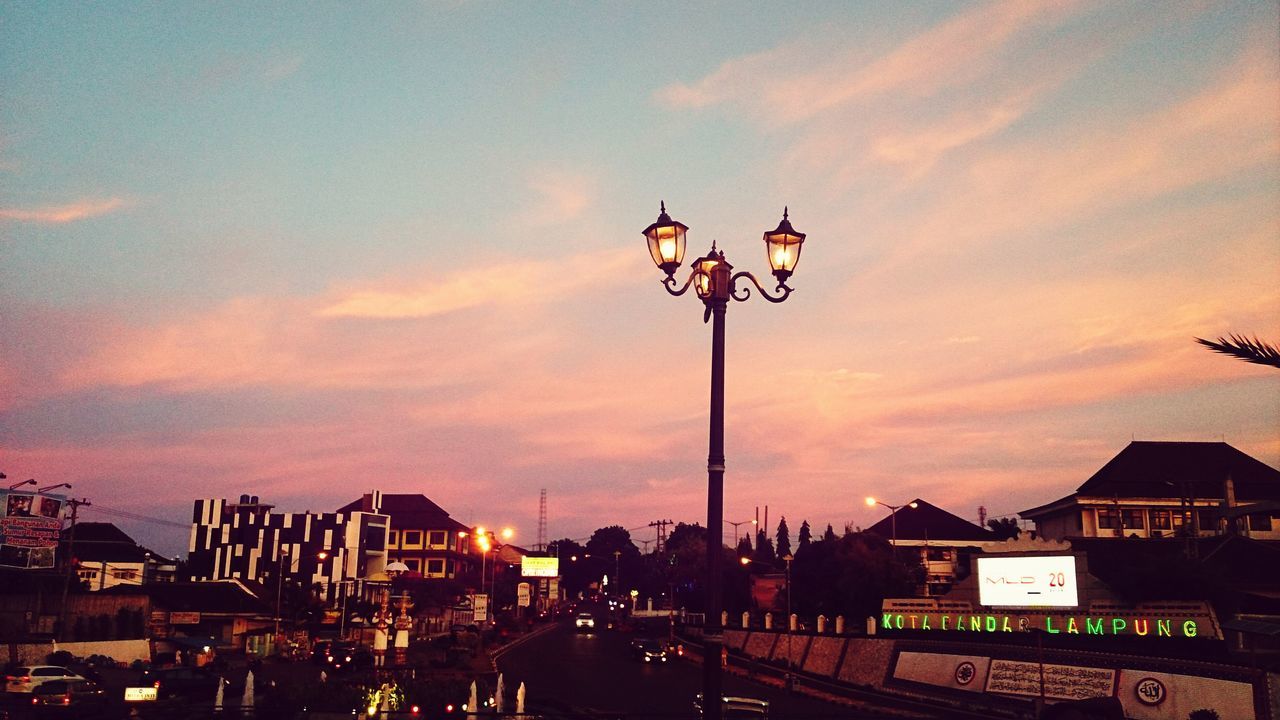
(249, 540)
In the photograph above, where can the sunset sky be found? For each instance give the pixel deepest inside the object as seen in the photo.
(308, 250)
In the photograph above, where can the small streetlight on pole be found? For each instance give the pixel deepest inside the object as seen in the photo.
(735, 529)
(47, 488)
(714, 281)
(30, 481)
(893, 515)
(790, 679)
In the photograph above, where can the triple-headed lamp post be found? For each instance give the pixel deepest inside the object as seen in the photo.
(715, 282)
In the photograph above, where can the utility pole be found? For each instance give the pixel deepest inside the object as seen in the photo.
(661, 526)
(66, 580)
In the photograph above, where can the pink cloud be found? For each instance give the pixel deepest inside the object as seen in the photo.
(60, 214)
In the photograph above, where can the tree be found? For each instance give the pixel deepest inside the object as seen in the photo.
(784, 538)
(744, 547)
(830, 534)
(1004, 528)
(1251, 350)
(806, 536)
(764, 549)
(849, 576)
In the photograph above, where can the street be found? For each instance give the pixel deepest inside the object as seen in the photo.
(595, 673)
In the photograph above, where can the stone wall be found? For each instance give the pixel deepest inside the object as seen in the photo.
(123, 651)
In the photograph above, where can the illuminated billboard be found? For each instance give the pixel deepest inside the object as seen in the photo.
(1047, 581)
(540, 567)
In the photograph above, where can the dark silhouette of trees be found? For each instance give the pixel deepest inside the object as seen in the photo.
(805, 537)
(829, 534)
(744, 547)
(784, 538)
(847, 576)
(1005, 528)
(764, 549)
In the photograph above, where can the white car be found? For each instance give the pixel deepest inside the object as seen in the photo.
(26, 679)
(584, 620)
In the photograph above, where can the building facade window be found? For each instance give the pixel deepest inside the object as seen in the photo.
(412, 538)
(124, 574)
(1108, 518)
(393, 538)
(435, 567)
(412, 564)
(1260, 521)
(1134, 519)
(436, 538)
(1161, 520)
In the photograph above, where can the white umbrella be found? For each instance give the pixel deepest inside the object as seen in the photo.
(473, 702)
(217, 698)
(498, 702)
(247, 702)
(520, 699)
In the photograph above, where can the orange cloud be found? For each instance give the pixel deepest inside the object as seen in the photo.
(60, 214)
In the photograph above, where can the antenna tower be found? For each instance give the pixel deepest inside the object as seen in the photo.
(542, 520)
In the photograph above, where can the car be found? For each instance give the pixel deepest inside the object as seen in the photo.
(649, 651)
(584, 621)
(186, 682)
(27, 678)
(82, 695)
(738, 708)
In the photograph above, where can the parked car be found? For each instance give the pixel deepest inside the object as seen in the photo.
(81, 696)
(649, 651)
(27, 678)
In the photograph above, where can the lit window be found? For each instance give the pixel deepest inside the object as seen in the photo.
(1161, 520)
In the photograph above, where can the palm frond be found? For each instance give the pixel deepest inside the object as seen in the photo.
(1248, 349)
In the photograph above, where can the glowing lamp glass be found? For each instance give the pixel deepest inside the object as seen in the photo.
(666, 240)
(783, 247)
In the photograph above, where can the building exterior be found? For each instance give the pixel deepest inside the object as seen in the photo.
(105, 556)
(1169, 489)
(249, 540)
(941, 543)
(421, 535)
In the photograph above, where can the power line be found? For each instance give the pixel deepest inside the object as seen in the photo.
(141, 518)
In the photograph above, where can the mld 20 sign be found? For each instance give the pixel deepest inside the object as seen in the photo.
(1045, 581)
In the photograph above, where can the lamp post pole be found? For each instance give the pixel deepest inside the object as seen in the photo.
(893, 516)
(790, 679)
(279, 586)
(714, 282)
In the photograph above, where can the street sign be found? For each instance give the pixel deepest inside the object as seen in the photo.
(522, 594)
(479, 608)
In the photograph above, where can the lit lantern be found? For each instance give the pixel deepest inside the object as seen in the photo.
(783, 246)
(666, 242)
(711, 275)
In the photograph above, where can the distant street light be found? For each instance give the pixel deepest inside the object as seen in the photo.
(714, 281)
(893, 515)
(47, 488)
(735, 529)
(31, 481)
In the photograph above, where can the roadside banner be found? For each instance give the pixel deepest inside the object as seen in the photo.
(30, 526)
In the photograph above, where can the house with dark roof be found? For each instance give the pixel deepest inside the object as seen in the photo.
(221, 613)
(939, 541)
(1169, 489)
(421, 534)
(105, 556)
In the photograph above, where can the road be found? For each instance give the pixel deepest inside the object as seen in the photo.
(594, 673)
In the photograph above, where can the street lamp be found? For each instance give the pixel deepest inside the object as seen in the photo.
(47, 488)
(714, 281)
(735, 529)
(284, 552)
(14, 486)
(893, 515)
